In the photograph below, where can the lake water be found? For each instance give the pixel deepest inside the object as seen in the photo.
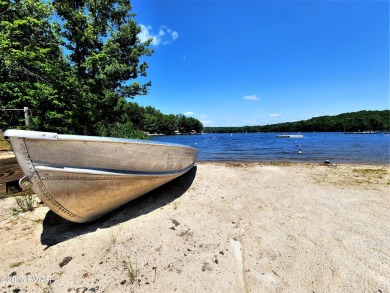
(315, 147)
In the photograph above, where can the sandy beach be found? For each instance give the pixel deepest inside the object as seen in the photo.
(222, 227)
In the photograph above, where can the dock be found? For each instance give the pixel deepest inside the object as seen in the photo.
(10, 173)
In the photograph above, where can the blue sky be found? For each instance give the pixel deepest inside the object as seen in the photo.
(236, 63)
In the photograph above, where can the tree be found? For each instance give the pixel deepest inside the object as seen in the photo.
(134, 113)
(188, 124)
(182, 123)
(169, 124)
(75, 64)
(105, 53)
(31, 65)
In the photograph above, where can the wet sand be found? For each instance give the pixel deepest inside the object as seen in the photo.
(222, 227)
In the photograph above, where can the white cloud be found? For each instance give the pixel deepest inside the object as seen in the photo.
(188, 113)
(251, 98)
(164, 36)
(144, 35)
(274, 115)
(206, 122)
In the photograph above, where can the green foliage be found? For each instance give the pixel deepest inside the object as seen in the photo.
(105, 54)
(125, 130)
(26, 203)
(189, 124)
(151, 120)
(355, 121)
(30, 63)
(132, 272)
(74, 64)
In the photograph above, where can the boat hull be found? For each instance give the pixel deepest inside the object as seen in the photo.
(290, 136)
(81, 178)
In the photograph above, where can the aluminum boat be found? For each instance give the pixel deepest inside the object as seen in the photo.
(81, 178)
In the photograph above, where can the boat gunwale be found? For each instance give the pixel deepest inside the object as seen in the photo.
(40, 135)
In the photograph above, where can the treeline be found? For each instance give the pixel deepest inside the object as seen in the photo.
(151, 120)
(346, 122)
(75, 65)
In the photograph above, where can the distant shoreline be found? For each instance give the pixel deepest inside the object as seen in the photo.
(361, 121)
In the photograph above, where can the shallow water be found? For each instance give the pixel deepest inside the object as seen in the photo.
(315, 147)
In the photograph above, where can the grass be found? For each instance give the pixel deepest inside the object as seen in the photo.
(26, 203)
(4, 145)
(370, 173)
(379, 172)
(131, 271)
(15, 264)
(158, 249)
(113, 237)
(175, 204)
(38, 221)
(278, 163)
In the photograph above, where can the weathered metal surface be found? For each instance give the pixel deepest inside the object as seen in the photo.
(81, 178)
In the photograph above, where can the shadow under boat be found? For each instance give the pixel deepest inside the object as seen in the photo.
(57, 229)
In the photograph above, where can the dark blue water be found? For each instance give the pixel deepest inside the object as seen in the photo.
(316, 147)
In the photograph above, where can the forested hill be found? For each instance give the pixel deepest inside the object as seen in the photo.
(354, 121)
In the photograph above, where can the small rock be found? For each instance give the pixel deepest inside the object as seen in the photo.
(206, 267)
(176, 223)
(65, 261)
(123, 282)
(12, 274)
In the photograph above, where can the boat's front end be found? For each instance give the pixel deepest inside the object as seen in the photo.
(82, 177)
